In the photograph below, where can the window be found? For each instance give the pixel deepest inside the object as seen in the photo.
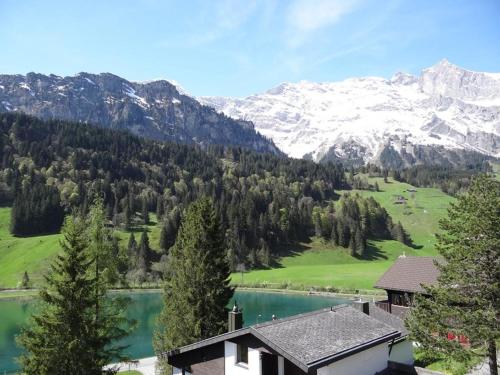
(241, 354)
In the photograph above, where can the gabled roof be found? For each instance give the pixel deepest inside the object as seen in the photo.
(407, 274)
(315, 339)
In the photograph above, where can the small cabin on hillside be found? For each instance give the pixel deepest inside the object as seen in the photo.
(344, 340)
(403, 280)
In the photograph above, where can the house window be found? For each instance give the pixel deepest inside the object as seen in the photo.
(242, 354)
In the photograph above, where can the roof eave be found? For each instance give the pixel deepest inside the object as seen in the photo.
(338, 356)
(206, 342)
(398, 289)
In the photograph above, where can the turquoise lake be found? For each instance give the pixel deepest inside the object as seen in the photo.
(144, 308)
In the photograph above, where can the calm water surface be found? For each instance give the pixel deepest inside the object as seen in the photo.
(144, 308)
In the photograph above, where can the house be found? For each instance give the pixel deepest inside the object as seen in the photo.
(360, 339)
(403, 280)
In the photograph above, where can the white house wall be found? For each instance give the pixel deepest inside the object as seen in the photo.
(232, 368)
(367, 362)
(402, 352)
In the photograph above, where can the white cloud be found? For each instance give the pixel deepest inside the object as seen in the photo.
(310, 15)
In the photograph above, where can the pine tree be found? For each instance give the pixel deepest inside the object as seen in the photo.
(75, 330)
(167, 236)
(145, 211)
(334, 237)
(398, 233)
(264, 254)
(25, 282)
(352, 243)
(145, 255)
(465, 301)
(132, 246)
(197, 291)
(160, 209)
(360, 242)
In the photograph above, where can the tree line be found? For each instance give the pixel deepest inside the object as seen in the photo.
(263, 201)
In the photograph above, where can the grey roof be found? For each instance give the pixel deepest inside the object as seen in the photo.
(323, 334)
(389, 319)
(314, 339)
(407, 274)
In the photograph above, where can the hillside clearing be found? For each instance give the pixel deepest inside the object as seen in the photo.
(319, 264)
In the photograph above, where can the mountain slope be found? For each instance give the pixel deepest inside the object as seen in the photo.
(152, 109)
(443, 116)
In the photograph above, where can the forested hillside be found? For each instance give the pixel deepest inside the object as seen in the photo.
(52, 167)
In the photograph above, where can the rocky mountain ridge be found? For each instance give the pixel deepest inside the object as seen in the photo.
(154, 109)
(445, 115)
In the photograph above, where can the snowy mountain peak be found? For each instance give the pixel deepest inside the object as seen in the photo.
(401, 78)
(446, 108)
(447, 79)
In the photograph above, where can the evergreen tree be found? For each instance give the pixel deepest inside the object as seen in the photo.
(334, 237)
(145, 211)
(359, 242)
(264, 254)
(145, 256)
(167, 235)
(398, 233)
(352, 243)
(132, 246)
(160, 209)
(466, 300)
(197, 291)
(75, 330)
(25, 282)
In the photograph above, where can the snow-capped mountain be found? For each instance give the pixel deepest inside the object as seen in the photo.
(446, 109)
(156, 109)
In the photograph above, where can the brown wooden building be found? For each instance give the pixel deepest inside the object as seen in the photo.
(403, 280)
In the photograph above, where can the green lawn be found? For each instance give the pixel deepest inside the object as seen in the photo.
(23, 254)
(318, 264)
(33, 254)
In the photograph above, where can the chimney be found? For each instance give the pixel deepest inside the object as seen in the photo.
(364, 307)
(235, 318)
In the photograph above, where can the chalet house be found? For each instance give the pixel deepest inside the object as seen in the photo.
(360, 339)
(403, 280)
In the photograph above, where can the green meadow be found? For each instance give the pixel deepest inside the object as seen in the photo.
(319, 264)
(33, 254)
(306, 265)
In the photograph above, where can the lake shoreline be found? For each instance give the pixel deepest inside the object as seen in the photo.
(17, 294)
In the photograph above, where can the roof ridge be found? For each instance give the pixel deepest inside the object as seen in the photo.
(298, 316)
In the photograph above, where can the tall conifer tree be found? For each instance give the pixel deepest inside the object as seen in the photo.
(75, 330)
(197, 290)
(466, 300)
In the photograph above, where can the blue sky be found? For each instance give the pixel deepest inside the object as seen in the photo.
(237, 48)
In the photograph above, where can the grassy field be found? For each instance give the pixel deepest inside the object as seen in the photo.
(318, 264)
(33, 254)
(17, 255)
(313, 264)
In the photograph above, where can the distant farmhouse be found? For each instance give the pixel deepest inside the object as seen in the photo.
(361, 339)
(399, 199)
(403, 280)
